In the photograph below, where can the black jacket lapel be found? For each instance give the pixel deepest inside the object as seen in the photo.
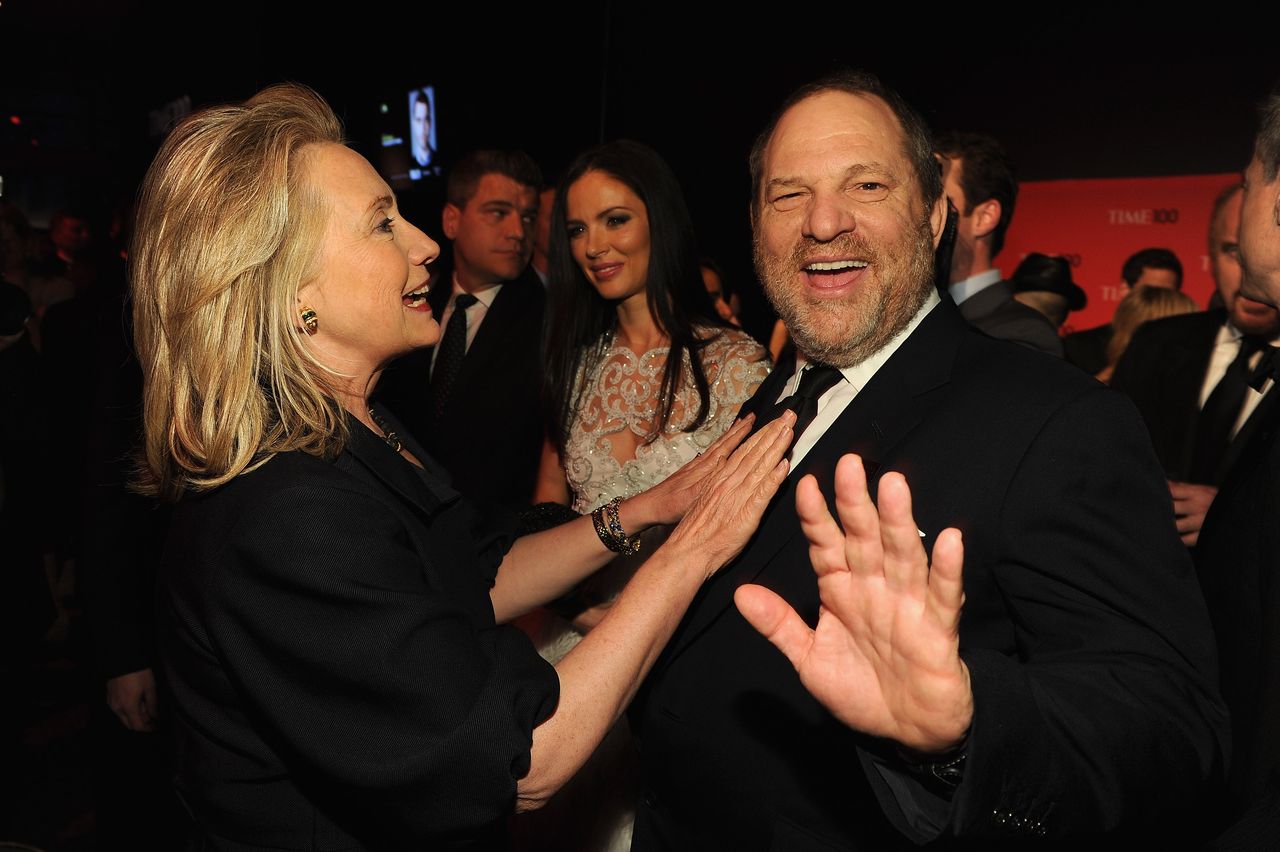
(896, 399)
(489, 342)
(373, 454)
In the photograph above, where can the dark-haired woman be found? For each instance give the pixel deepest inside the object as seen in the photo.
(643, 374)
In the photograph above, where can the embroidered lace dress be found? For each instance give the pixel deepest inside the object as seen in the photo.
(622, 397)
(620, 405)
(594, 811)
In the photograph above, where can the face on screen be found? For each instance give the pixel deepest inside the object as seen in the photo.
(420, 128)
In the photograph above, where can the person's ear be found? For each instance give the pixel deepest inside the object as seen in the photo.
(985, 218)
(449, 220)
(938, 218)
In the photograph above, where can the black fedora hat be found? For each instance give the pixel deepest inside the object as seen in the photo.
(1044, 273)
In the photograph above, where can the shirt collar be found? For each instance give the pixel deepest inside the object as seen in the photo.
(974, 284)
(1230, 334)
(860, 374)
(485, 297)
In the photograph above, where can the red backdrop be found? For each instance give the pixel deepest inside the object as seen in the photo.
(1096, 224)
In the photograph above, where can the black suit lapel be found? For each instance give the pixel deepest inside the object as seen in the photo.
(1190, 356)
(488, 344)
(373, 455)
(1241, 440)
(769, 390)
(1189, 359)
(896, 399)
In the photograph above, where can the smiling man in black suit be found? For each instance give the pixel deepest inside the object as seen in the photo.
(1081, 667)
(473, 400)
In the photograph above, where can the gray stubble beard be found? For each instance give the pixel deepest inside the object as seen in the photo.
(860, 332)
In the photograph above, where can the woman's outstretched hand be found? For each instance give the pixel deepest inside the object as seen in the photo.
(885, 657)
(733, 489)
(670, 499)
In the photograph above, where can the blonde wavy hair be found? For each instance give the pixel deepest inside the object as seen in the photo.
(228, 230)
(1142, 305)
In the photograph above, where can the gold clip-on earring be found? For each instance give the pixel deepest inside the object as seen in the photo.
(309, 320)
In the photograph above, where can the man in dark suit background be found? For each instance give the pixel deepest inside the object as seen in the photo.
(1081, 668)
(1238, 556)
(473, 399)
(979, 180)
(1180, 372)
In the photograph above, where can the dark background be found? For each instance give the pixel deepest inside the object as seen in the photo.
(1072, 93)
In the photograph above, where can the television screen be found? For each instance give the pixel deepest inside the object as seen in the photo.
(410, 138)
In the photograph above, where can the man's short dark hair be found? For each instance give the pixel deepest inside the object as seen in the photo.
(918, 148)
(986, 174)
(467, 173)
(1151, 258)
(1266, 146)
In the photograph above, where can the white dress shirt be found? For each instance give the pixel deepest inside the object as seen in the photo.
(833, 403)
(475, 314)
(1225, 349)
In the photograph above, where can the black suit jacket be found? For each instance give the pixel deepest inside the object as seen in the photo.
(994, 311)
(1083, 630)
(1238, 560)
(337, 679)
(1162, 371)
(1088, 349)
(490, 435)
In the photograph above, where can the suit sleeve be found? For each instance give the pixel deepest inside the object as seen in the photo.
(372, 674)
(1108, 709)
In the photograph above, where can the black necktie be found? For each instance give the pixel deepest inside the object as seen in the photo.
(1220, 413)
(453, 346)
(816, 380)
(1268, 367)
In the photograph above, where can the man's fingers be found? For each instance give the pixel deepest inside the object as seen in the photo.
(864, 551)
(906, 567)
(775, 620)
(133, 717)
(826, 539)
(946, 579)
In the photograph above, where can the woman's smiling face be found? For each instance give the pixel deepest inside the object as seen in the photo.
(608, 231)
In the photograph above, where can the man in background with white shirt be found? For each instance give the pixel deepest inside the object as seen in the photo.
(474, 399)
(1188, 375)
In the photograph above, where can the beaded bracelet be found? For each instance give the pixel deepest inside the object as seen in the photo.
(609, 529)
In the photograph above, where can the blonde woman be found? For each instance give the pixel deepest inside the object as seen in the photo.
(1142, 304)
(331, 611)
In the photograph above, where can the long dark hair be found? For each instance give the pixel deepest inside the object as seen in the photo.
(578, 316)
